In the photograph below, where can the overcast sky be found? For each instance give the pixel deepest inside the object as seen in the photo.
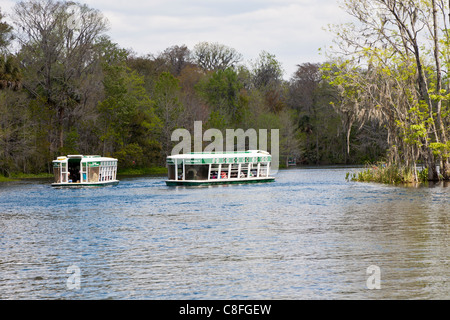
(292, 30)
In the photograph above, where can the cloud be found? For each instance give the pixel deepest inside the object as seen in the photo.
(292, 30)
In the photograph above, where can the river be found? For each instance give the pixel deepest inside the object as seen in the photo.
(308, 235)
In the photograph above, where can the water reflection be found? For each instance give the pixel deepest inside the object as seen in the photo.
(309, 235)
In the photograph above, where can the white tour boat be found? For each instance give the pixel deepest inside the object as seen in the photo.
(219, 168)
(83, 171)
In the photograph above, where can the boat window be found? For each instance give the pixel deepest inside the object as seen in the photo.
(105, 173)
(244, 170)
(171, 172)
(102, 175)
(180, 171)
(263, 170)
(197, 172)
(57, 173)
(253, 170)
(224, 171)
(64, 172)
(214, 171)
(234, 171)
(114, 171)
(94, 173)
(84, 171)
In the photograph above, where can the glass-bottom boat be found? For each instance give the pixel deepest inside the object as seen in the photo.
(84, 171)
(195, 169)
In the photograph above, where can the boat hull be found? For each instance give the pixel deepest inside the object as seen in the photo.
(217, 182)
(86, 184)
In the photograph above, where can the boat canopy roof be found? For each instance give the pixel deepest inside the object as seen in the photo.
(87, 158)
(221, 157)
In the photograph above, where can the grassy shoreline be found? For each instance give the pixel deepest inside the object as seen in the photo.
(24, 176)
(121, 172)
(389, 174)
(5, 179)
(142, 171)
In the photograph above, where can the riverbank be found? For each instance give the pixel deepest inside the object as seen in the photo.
(21, 176)
(121, 172)
(142, 171)
(4, 179)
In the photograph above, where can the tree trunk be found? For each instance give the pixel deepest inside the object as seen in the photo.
(445, 169)
(61, 127)
(349, 131)
(440, 125)
(431, 165)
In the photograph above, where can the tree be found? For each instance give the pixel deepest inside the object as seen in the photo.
(222, 90)
(127, 116)
(267, 76)
(195, 108)
(15, 135)
(289, 143)
(58, 56)
(6, 34)
(215, 56)
(176, 58)
(266, 71)
(443, 144)
(10, 75)
(303, 97)
(389, 39)
(168, 107)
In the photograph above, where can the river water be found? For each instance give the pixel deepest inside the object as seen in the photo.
(309, 235)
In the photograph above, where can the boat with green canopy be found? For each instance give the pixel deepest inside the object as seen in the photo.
(204, 168)
(84, 171)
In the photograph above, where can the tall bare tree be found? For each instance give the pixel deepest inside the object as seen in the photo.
(215, 56)
(58, 53)
(390, 37)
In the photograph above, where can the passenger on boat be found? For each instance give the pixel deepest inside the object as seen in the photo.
(76, 176)
(223, 175)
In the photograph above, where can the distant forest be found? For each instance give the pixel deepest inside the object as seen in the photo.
(66, 88)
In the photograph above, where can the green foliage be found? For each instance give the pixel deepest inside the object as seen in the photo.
(266, 70)
(441, 149)
(5, 179)
(222, 90)
(216, 120)
(10, 74)
(168, 108)
(143, 171)
(127, 112)
(71, 143)
(6, 35)
(388, 174)
(130, 155)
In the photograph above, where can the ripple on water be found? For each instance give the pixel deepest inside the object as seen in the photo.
(308, 235)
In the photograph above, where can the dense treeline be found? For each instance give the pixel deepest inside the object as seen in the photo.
(68, 89)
